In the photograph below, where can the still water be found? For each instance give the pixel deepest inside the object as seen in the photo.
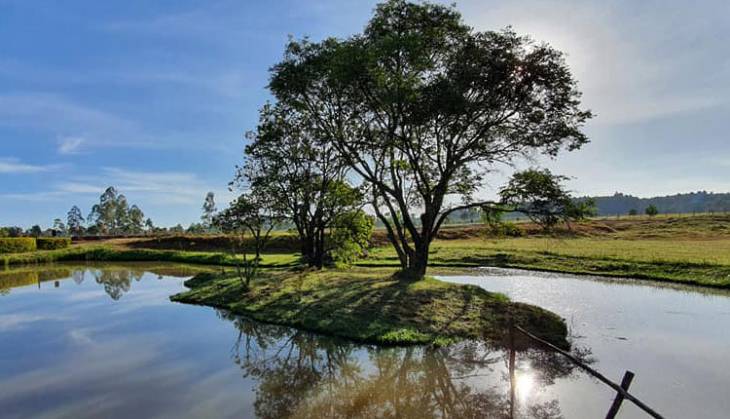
(105, 341)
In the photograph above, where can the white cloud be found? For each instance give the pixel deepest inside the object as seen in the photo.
(79, 188)
(53, 112)
(145, 188)
(19, 321)
(70, 145)
(15, 166)
(163, 188)
(624, 63)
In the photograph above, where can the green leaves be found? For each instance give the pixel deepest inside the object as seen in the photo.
(421, 107)
(540, 195)
(350, 236)
(112, 215)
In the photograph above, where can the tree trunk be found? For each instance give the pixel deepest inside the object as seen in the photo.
(417, 264)
(307, 243)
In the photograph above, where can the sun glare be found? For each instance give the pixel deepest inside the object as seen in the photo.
(524, 383)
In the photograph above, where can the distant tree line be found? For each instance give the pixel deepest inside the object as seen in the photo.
(684, 203)
(622, 204)
(114, 216)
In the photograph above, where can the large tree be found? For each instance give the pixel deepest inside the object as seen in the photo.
(421, 107)
(113, 215)
(304, 177)
(75, 221)
(104, 214)
(135, 220)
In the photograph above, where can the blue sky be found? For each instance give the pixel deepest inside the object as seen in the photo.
(154, 97)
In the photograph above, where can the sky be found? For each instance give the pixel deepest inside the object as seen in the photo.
(154, 98)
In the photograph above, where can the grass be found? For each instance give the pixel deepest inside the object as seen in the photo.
(687, 249)
(705, 263)
(368, 305)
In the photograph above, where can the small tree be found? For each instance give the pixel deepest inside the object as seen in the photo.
(149, 226)
(196, 228)
(252, 214)
(633, 212)
(35, 231)
(59, 227)
(209, 210)
(651, 210)
(493, 219)
(541, 196)
(304, 178)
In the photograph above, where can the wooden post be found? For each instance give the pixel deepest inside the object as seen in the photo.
(624, 394)
(616, 405)
(512, 377)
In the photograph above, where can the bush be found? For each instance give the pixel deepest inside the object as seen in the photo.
(350, 236)
(651, 210)
(17, 244)
(511, 230)
(53, 243)
(504, 229)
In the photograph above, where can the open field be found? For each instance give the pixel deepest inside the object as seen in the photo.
(699, 263)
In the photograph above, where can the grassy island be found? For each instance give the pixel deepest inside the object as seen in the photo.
(368, 305)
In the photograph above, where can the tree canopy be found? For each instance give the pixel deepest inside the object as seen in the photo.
(420, 107)
(303, 177)
(112, 215)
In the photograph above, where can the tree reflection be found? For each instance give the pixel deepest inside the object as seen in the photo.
(79, 275)
(116, 282)
(299, 374)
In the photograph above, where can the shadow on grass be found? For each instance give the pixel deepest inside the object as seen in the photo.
(372, 307)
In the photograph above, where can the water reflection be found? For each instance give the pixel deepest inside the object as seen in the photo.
(298, 374)
(115, 278)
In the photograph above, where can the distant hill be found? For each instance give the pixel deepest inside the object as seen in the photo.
(692, 202)
(620, 204)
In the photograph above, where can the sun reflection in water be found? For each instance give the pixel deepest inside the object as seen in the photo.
(524, 384)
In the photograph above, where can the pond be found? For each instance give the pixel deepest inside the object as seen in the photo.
(676, 339)
(105, 341)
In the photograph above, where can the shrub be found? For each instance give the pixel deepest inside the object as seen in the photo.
(651, 210)
(53, 243)
(511, 229)
(350, 236)
(17, 244)
(504, 229)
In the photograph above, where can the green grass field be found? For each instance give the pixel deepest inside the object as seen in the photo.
(703, 263)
